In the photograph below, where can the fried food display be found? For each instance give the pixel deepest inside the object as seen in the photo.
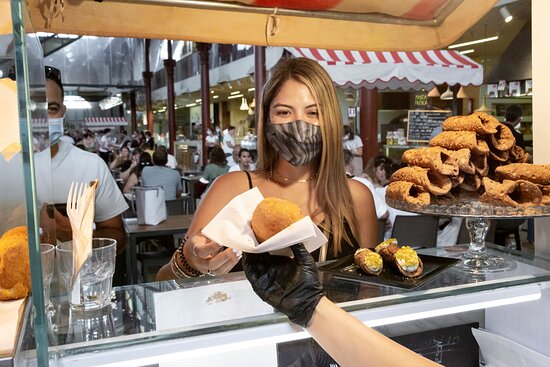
(481, 124)
(511, 193)
(403, 259)
(369, 261)
(460, 140)
(536, 173)
(432, 181)
(272, 215)
(15, 279)
(435, 158)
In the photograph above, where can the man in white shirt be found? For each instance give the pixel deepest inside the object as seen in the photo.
(171, 160)
(229, 141)
(57, 167)
(246, 162)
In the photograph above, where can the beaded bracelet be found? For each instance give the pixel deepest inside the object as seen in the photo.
(185, 270)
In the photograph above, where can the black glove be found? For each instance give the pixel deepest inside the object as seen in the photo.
(289, 285)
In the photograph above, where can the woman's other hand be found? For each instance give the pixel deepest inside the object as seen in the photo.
(208, 257)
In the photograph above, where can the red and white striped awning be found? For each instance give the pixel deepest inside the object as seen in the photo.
(104, 122)
(395, 69)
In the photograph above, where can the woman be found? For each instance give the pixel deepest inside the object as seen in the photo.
(378, 170)
(135, 172)
(123, 161)
(354, 144)
(300, 159)
(217, 165)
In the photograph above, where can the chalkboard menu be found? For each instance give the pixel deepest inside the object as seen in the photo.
(422, 122)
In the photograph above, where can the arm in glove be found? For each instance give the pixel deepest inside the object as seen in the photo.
(289, 285)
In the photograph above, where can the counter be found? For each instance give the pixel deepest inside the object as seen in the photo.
(219, 320)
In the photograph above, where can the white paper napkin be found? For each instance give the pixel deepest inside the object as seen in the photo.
(231, 228)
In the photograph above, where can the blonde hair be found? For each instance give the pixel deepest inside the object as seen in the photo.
(331, 191)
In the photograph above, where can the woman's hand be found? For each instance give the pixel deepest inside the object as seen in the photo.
(208, 257)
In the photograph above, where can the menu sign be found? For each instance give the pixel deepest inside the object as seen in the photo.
(423, 122)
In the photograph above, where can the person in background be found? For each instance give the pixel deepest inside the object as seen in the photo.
(229, 141)
(135, 172)
(300, 160)
(378, 170)
(212, 140)
(122, 161)
(147, 147)
(246, 163)
(150, 140)
(60, 165)
(378, 196)
(88, 141)
(233, 159)
(292, 287)
(160, 175)
(354, 144)
(216, 167)
(106, 145)
(513, 120)
(172, 163)
(136, 153)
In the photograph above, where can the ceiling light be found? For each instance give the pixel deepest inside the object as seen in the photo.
(506, 14)
(244, 105)
(235, 96)
(434, 92)
(235, 92)
(191, 105)
(215, 96)
(464, 52)
(253, 103)
(251, 89)
(448, 94)
(109, 102)
(483, 107)
(461, 93)
(482, 40)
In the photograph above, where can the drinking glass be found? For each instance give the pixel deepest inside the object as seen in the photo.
(47, 255)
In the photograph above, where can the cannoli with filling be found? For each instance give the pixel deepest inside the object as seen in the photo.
(369, 261)
(456, 140)
(469, 123)
(408, 192)
(403, 259)
(511, 193)
(433, 181)
(536, 173)
(435, 158)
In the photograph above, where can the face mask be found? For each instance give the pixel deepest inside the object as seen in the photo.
(297, 142)
(55, 129)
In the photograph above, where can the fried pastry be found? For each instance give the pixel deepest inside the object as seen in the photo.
(369, 261)
(272, 215)
(457, 180)
(456, 140)
(471, 183)
(502, 139)
(481, 164)
(489, 120)
(535, 173)
(408, 192)
(545, 190)
(511, 193)
(433, 181)
(463, 157)
(435, 158)
(499, 155)
(15, 275)
(403, 259)
(518, 155)
(469, 123)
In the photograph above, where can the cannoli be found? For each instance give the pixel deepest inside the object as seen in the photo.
(403, 259)
(511, 193)
(369, 261)
(387, 243)
(471, 183)
(489, 120)
(502, 139)
(457, 180)
(481, 164)
(536, 173)
(463, 157)
(433, 181)
(499, 155)
(408, 192)
(456, 140)
(469, 123)
(436, 158)
(545, 190)
(518, 155)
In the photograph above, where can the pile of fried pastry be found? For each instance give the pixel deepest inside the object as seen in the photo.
(15, 275)
(475, 157)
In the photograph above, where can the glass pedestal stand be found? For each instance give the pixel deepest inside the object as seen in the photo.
(477, 260)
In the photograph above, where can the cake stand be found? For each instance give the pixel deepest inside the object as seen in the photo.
(477, 215)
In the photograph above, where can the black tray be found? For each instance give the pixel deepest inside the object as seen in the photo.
(433, 265)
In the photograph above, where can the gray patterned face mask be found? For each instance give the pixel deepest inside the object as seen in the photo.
(298, 142)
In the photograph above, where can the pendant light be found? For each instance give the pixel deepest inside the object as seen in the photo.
(434, 93)
(483, 107)
(244, 105)
(448, 94)
(461, 93)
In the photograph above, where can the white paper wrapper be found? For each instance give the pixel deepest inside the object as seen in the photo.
(231, 228)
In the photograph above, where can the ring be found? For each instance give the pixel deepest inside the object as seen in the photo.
(210, 273)
(193, 250)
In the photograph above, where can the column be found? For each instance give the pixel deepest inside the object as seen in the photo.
(170, 108)
(133, 117)
(259, 78)
(204, 49)
(147, 76)
(368, 122)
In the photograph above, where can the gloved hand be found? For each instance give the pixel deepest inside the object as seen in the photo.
(289, 285)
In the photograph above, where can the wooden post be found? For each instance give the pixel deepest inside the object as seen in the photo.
(204, 49)
(368, 122)
(133, 117)
(147, 76)
(259, 78)
(170, 108)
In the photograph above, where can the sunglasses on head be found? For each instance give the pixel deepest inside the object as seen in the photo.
(53, 74)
